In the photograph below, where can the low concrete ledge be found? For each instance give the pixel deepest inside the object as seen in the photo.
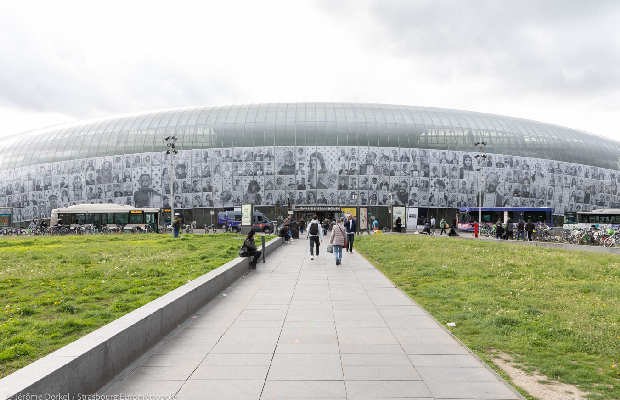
(85, 365)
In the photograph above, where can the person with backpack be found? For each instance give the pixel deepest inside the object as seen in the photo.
(315, 234)
(443, 225)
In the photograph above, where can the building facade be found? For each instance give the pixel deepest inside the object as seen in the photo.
(309, 154)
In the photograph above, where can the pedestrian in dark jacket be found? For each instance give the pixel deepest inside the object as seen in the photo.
(509, 230)
(398, 224)
(521, 230)
(176, 224)
(529, 229)
(315, 235)
(350, 226)
(251, 250)
(499, 230)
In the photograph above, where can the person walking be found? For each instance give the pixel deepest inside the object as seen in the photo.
(315, 234)
(338, 240)
(176, 224)
(509, 230)
(251, 250)
(529, 228)
(350, 226)
(443, 225)
(433, 221)
(294, 226)
(521, 230)
(499, 230)
(326, 226)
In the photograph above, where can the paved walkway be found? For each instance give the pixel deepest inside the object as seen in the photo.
(301, 328)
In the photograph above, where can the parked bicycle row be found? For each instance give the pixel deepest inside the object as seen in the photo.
(75, 230)
(594, 236)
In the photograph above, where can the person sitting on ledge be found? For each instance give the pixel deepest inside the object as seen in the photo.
(251, 250)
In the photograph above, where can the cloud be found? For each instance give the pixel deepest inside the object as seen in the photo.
(555, 47)
(549, 60)
(99, 65)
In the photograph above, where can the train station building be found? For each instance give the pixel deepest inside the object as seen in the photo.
(307, 158)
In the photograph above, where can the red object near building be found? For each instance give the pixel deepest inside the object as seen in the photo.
(476, 229)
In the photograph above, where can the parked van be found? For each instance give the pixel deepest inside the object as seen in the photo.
(232, 220)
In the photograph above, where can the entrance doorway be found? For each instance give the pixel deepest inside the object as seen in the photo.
(321, 215)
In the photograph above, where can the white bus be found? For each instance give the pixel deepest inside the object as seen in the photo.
(602, 218)
(110, 216)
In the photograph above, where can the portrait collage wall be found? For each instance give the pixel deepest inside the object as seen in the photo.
(322, 175)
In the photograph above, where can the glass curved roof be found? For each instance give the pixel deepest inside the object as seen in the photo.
(310, 124)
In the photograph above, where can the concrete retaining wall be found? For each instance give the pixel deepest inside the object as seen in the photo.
(85, 365)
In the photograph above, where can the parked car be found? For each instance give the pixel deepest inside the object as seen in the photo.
(231, 220)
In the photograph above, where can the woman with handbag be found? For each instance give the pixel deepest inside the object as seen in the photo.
(249, 249)
(338, 240)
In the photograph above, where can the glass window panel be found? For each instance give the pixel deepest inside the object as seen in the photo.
(300, 112)
(177, 118)
(261, 115)
(231, 115)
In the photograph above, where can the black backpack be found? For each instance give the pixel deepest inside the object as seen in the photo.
(314, 229)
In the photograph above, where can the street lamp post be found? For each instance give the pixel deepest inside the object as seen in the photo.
(391, 210)
(480, 158)
(171, 152)
(316, 182)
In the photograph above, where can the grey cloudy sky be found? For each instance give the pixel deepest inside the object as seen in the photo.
(552, 61)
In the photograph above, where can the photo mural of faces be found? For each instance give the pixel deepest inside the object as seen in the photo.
(312, 175)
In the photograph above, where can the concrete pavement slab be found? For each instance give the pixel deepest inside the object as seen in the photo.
(232, 372)
(277, 390)
(380, 373)
(221, 389)
(238, 359)
(443, 360)
(390, 359)
(306, 367)
(308, 348)
(478, 390)
(374, 389)
(139, 387)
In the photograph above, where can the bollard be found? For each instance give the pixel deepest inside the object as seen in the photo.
(262, 244)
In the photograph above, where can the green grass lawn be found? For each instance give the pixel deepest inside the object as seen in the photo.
(54, 290)
(554, 311)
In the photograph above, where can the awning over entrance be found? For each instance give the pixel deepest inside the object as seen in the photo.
(316, 208)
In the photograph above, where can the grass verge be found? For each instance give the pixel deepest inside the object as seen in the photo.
(54, 290)
(554, 311)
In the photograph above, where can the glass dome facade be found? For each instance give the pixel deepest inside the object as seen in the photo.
(310, 124)
(311, 155)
